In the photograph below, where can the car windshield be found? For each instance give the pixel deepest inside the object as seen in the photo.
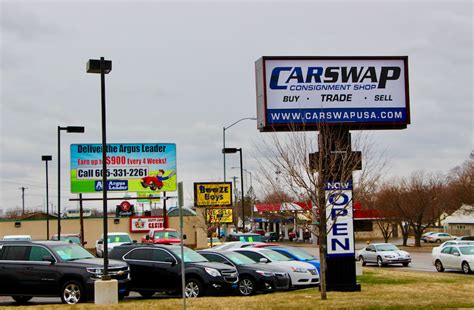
(166, 235)
(275, 256)
(248, 238)
(119, 238)
(386, 247)
(72, 239)
(239, 259)
(467, 250)
(68, 252)
(301, 254)
(190, 256)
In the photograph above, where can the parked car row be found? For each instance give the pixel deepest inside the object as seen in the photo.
(67, 270)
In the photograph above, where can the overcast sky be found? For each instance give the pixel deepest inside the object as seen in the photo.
(183, 70)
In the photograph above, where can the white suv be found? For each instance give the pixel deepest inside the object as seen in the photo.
(113, 239)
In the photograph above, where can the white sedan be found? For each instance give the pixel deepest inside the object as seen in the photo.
(458, 257)
(438, 249)
(301, 273)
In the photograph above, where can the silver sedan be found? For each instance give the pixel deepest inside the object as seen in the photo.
(383, 254)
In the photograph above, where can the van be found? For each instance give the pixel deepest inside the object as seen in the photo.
(75, 213)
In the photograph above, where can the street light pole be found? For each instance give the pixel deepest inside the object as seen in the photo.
(70, 129)
(47, 158)
(251, 207)
(223, 137)
(103, 67)
(231, 151)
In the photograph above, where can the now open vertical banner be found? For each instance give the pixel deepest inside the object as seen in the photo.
(339, 213)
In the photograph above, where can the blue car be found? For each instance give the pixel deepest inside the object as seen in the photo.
(297, 254)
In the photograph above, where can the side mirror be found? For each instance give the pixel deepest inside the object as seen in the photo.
(456, 254)
(100, 242)
(184, 237)
(134, 241)
(48, 258)
(147, 237)
(170, 260)
(263, 260)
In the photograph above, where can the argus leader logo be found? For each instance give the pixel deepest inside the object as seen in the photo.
(112, 185)
(282, 76)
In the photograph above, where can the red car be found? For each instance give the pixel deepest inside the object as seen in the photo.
(162, 236)
(152, 182)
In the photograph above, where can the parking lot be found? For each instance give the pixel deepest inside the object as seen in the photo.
(421, 262)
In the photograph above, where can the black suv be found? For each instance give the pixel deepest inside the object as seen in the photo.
(53, 268)
(253, 276)
(158, 268)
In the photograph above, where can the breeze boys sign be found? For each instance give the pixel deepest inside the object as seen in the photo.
(303, 93)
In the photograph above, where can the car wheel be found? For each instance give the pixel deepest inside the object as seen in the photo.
(361, 259)
(146, 294)
(439, 266)
(153, 187)
(466, 268)
(246, 286)
(405, 264)
(193, 288)
(72, 292)
(438, 241)
(380, 262)
(22, 299)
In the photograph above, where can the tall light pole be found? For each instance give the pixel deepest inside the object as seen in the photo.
(251, 207)
(231, 151)
(223, 137)
(70, 129)
(103, 67)
(47, 158)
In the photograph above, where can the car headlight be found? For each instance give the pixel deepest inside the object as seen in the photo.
(213, 272)
(265, 273)
(298, 269)
(96, 272)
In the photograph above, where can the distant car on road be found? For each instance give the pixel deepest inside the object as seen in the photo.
(17, 238)
(383, 254)
(54, 268)
(423, 237)
(439, 237)
(113, 239)
(458, 257)
(271, 236)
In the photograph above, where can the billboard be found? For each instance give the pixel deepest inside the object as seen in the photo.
(209, 194)
(147, 167)
(219, 215)
(145, 223)
(303, 93)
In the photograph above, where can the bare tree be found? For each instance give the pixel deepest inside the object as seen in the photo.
(288, 154)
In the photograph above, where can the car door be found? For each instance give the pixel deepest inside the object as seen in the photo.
(43, 275)
(455, 258)
(14, 275)
(371, 255)
(252, 255)
(139, 260)
(166, 270)
(445, 257)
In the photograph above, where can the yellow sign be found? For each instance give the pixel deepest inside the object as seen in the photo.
(145, 197)
(218, 215)
(213, 194)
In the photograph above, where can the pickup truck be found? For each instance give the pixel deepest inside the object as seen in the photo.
(162, 236)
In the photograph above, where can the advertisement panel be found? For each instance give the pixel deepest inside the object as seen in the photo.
(219, 215)
(208, 194)
(146, 197)
(302, 93)
(339, 213)
(145, 223)
(147, 167)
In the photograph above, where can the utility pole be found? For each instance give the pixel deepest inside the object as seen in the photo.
(23, 199)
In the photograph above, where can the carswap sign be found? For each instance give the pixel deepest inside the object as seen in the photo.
(306, 92)
(130, 167)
